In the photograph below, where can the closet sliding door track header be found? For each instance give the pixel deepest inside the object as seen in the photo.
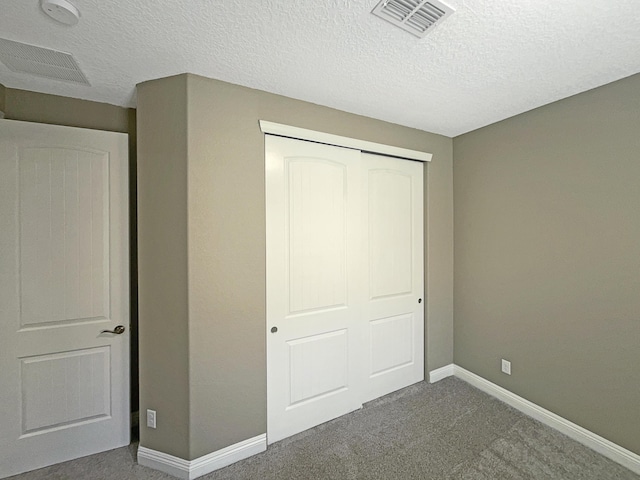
(340, 141)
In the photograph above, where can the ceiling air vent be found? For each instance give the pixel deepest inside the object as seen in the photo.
(43, 62)
(413, 16)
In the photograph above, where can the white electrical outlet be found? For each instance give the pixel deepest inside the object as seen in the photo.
(151, 418)
(506, 366)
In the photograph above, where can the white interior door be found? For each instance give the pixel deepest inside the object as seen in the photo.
(64, 385)
(393, 308)
(313, 244)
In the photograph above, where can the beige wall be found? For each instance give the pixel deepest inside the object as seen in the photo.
(226, 246)
(2, 97)
(162, 264)
(547, 257)
(43, 108)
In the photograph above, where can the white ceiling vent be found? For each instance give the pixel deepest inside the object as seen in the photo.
(43, 62)
(414, 16)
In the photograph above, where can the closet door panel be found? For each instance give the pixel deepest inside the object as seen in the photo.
(314, 364)
(393, 311)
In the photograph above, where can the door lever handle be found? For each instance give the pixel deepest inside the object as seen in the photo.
(116, 331)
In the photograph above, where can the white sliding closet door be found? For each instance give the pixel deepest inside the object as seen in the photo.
(313, 245)
(344, 281)
(393, 308)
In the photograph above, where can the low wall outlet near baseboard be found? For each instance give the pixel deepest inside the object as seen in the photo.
(506, 366)
(151, 418)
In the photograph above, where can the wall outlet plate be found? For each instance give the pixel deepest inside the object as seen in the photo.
(506, 366)
(151, 418)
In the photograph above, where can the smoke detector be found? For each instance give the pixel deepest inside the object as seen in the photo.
(61, 11)
(417, 17)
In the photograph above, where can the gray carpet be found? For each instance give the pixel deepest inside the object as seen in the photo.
(448, 430)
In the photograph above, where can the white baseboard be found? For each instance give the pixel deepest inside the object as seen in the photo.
(190, 469)
(441, 373)
(601, 445)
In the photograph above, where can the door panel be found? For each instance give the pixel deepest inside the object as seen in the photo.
(311, 379)
(392, 344)
(64, 386)
(392, 303)
(65, 389)
(64, 214)
(390, 233)
(312, 244)
(317, 234)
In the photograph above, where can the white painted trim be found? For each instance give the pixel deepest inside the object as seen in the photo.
(337, 140)
(615, 452)
(190, 469)
(441, 373)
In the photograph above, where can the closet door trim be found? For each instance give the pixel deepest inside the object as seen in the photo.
(340, 141)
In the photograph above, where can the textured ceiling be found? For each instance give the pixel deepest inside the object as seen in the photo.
(488, 61)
